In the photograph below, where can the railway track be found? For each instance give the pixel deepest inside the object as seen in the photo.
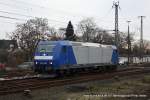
(15, 73)
(14, 86)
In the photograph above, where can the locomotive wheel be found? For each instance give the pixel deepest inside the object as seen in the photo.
(103, 68)
(67, 72)
(114, 68)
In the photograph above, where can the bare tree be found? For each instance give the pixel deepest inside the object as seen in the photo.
(91, 32)
(53, 35)
(103, 37)
(146, 48)
(87, 28)
(30, 33)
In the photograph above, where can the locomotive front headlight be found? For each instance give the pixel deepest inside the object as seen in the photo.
(36, 62)
(44, 54)
(50, 62)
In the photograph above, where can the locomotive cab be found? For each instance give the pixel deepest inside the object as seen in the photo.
(43, 57)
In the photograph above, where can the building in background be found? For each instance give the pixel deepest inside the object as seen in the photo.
(7, 52)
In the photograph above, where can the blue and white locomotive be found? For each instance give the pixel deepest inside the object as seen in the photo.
(68, 55)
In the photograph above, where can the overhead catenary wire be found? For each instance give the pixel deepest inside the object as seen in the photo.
(38, 6)
(60, 11)
(9, 22)
(62, 23)
(48, 8)
(7, 17)
(6, 4)
(18, 19)
(28, 16)
(10, 5)
(15, 13)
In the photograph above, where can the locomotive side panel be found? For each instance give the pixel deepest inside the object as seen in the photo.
(91, 55)
(95, 55)
(81, 54)
(107, 55)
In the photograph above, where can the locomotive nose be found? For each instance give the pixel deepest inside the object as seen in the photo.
(43, 59)
(43, 63)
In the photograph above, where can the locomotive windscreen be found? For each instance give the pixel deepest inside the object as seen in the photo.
(45, 48)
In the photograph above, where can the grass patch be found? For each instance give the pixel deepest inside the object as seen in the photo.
(146, 79)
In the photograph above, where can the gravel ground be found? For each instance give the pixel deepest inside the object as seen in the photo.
(128, 88)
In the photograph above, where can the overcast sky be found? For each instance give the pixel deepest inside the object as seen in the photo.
(59, 12)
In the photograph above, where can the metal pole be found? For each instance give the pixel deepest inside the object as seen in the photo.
(141, 38)
(129, 42)
(116, 5)
(87, 35)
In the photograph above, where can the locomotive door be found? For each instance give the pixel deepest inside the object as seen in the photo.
(65, 53)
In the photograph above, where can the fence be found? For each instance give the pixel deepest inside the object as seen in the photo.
(135, 59)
